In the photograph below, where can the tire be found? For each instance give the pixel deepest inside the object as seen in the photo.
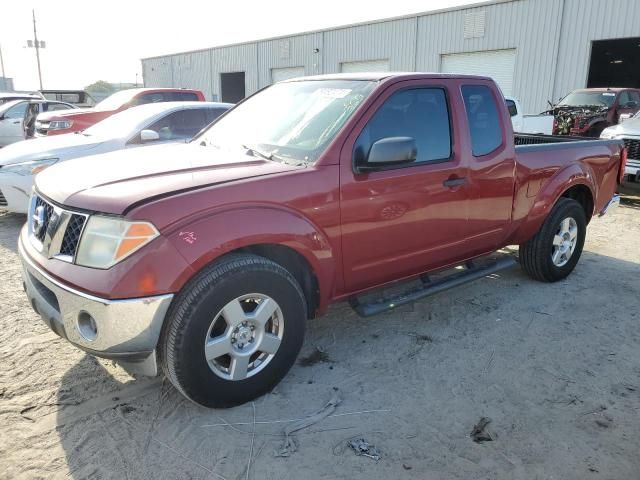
(536, 255)
(241, 285)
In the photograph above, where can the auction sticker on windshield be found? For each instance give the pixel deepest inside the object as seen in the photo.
(334, 92)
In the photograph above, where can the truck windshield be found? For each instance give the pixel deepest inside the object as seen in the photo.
(581, 99)
(290, 120)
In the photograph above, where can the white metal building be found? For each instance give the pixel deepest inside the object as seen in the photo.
(537, 50)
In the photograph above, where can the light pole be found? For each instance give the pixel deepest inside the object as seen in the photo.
(38, 45)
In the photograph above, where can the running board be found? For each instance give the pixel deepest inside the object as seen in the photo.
(428, 288)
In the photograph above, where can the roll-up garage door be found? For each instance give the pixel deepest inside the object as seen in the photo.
(497, 64)
(280, 74)
(369, 66)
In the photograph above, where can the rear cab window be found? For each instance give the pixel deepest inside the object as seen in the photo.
(484, 119)
(420, 113)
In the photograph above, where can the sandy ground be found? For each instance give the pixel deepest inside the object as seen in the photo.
(556, 367)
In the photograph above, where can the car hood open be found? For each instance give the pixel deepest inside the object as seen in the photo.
(59, 146)
(113, 182)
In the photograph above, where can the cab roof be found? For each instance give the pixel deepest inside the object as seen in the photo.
(377, 76)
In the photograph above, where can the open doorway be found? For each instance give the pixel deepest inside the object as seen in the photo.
(232, 87)
(615, 63)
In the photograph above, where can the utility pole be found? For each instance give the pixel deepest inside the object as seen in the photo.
(37, 45)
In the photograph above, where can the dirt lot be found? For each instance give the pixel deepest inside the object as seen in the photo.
(556, 367)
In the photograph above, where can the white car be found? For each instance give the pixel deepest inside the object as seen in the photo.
(629, 132)
(132, 128)
(541, 124)
(14, 113)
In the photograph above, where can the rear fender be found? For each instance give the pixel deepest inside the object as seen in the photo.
(204, 240)
(560, 182)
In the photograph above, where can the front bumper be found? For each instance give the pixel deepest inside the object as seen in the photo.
(123, 330)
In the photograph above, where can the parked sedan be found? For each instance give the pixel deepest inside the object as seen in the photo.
(629, 132)
(144, 125)
(68, 122)
(17, 117)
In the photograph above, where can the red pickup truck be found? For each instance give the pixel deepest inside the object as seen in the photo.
(208, 258)
(57, 123)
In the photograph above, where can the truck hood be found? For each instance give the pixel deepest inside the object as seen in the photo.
(71, 113)
(60, 146)
(113, 182)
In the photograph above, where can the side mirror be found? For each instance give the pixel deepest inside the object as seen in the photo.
(390, 151)
(149, 136)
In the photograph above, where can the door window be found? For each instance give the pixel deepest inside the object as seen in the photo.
(624, 99)
(181, 97)
(181, 125)
(17, 111)
(420, 113)
(483, 118)
(148, 98)
(53, 107)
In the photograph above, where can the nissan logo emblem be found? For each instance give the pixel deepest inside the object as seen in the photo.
(38, 219)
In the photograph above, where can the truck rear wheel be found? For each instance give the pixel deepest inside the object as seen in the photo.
(234, 331)
(552, 253)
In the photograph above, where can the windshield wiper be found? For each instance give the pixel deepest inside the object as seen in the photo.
(257, 152)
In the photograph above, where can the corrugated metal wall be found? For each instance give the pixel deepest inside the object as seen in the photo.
(552, 39)
(393, 40)
(158, 72)
(193, 70)
(585, 21)
(235, 58)
(531, 27)
(295, 51)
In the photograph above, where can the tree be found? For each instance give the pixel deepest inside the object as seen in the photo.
(100, 87)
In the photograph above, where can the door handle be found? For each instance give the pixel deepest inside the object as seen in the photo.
(454, 182)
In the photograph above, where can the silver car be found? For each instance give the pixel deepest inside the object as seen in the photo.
(139, 126)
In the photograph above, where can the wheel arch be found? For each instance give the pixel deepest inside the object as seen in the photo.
(284, 237)
(575, 182)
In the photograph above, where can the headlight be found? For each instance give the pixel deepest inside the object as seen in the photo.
(108, 240)
(608, 133)
(29, 168)
(60, 124)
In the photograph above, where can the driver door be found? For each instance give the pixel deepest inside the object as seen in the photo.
(403, 219)
(11, 124)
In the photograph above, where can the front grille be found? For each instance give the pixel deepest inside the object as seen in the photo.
(48, 210)
(3, 201)
(633, 148)
(55, 231)
(72, 235)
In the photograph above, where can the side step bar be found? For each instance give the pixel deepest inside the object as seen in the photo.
(429, 288)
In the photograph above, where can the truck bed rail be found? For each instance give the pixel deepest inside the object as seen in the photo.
(535, 139)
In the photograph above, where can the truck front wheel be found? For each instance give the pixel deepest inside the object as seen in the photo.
(552, 253)
(234, 331)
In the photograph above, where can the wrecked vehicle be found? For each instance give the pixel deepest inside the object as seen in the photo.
(587, 112)
(205, 260)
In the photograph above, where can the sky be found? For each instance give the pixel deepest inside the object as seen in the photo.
(89, 41)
